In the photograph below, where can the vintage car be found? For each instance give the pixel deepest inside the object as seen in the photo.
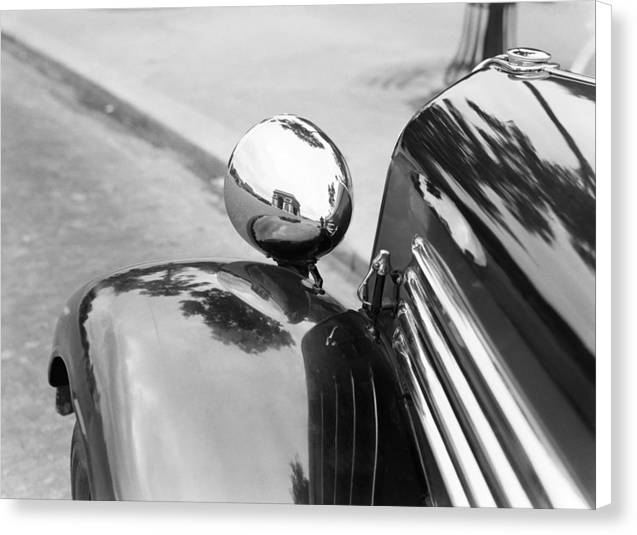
(466, 378)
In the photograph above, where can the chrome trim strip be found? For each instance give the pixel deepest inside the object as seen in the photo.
(335, 441)
(351, 480)
(568, 75)
(322, 502)
(502, 63)
(466, 466)
(454, 310)
(451, 481)
(371, 376)
(492, 458)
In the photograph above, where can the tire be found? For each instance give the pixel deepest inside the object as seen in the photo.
(80, 480)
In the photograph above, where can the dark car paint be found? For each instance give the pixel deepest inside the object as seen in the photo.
(497, 173)
(247, 396)
(216, 381)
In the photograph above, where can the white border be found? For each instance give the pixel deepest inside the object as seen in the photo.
(603, 252)
(54, 517)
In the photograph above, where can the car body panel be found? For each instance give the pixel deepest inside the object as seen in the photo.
(190, 382)
(497, 175)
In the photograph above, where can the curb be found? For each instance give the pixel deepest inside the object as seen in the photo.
(202, 144)
(162, 121)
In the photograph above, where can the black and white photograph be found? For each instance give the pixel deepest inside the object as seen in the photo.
(301, 254)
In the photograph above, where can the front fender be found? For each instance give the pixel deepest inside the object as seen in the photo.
(190, 381)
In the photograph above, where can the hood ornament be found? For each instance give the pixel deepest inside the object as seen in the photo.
(525, 63)
(521, 61)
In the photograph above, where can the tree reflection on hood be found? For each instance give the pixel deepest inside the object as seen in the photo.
(230, 320)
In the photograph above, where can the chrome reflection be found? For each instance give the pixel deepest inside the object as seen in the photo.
(288, 190)
(463, 479)
(529, 449)
(489, 453)
(442, 459)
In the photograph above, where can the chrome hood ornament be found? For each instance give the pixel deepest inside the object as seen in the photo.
(525, 62)
(288, 191)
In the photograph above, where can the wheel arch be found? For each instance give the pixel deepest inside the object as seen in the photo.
(58, 377)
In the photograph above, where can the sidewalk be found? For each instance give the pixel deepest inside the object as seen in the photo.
(203, 76)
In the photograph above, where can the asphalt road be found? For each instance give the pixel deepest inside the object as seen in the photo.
(81, 196)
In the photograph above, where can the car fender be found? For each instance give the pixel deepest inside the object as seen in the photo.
(199, 380)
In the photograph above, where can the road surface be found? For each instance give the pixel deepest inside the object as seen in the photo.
(81, 196)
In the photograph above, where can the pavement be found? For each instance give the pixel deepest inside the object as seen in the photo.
(195, 79)
(82, 195)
